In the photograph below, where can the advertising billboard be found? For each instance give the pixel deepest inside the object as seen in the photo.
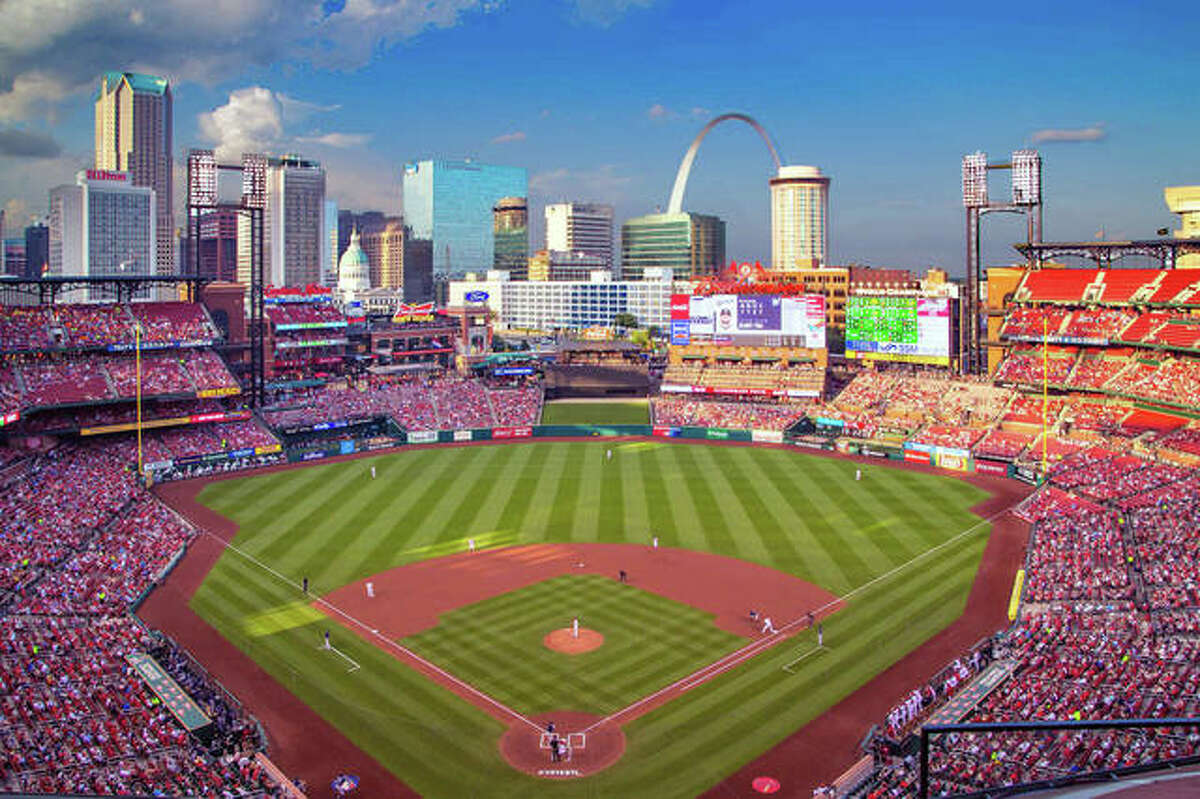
(748, 320)
(903, 328)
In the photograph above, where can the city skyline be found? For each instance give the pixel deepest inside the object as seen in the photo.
(605, 109)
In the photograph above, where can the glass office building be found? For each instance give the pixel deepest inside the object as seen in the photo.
(451, 202)
(688, 244)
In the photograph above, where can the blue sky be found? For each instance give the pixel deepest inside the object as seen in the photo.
(599, 99)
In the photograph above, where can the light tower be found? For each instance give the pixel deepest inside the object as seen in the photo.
(1026, 167)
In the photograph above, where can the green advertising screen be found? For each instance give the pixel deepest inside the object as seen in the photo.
(871, 321)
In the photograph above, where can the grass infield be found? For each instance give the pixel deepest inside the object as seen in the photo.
(613, 412)
(649, 642)
(799, 513)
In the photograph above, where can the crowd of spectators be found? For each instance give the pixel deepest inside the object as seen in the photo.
(940, 435)
(427, 402)
(689, 412)
(305, 313)
(80, 542)
(515, 406)
(49, 380)
(1002, 444)
(102, 326)
(1109, 627)
(1028, 366)
(173, 322)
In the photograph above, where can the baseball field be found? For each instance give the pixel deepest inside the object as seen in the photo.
(444, 655)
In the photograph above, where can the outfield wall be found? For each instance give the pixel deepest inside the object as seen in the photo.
(946, 458)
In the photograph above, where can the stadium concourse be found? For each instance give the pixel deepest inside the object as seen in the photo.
(1108, 624)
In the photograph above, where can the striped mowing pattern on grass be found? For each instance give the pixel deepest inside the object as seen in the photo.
(612, 412)
(796, 512)
(649, 641)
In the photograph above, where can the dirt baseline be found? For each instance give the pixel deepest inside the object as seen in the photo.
(408, 599)
(305, 744)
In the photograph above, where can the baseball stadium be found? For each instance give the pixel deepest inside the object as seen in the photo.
(375, 557)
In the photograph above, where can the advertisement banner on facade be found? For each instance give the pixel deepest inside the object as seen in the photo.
(991, 467)
(945, 460)
(664, 431)
(512, 432)
(462, 435)
(767, 436)
(915, 456)
(422, 436)
(700, 318)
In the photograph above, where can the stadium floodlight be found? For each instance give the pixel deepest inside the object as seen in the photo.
(254, 180)
(1026, 177)
(202, 177)
(974, 180)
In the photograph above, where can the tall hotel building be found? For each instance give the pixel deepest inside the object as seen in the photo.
(510, 231)
(452, 202)
(103, 225)
(134, 132)
(799, 218)
(580, 228)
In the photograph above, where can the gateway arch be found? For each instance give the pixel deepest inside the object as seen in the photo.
(675, 205)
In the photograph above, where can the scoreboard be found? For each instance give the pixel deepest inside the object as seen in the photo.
(913, 329)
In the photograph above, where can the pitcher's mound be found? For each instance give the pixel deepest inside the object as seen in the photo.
(564, 641)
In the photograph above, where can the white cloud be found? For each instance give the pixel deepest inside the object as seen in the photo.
(342, 141)
(54, 49)
(699, 111)
(251, 122)
(606, 12)
(660, 113)
(256, 119)
(1092, 133)
(602, 184)
(505, 138)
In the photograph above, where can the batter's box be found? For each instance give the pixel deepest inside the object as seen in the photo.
(574, 740)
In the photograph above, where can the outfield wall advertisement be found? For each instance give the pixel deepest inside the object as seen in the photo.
(913, 329)
(747, 320)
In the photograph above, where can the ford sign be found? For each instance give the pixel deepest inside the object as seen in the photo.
(476, 296)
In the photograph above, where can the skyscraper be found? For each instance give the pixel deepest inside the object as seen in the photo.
(37, 249)
(329, 245)
(580, 228)
(799, 218)
(295, 232)
(451, 203)
(134, 133)
(510, 243)
(102, 226)
(688, 244)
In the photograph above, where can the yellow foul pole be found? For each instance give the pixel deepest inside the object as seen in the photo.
(137, 350)
(1045, 386)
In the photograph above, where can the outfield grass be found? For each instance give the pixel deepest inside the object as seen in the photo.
(616, 412)
(649, 642)
(800, 513)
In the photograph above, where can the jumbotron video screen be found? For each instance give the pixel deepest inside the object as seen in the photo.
(913, 329)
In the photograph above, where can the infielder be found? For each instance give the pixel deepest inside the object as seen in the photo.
(768, 627)
(370, 590)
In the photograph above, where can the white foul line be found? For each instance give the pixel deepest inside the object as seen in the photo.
(727, 662)
(375, 632)
(714, 669)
